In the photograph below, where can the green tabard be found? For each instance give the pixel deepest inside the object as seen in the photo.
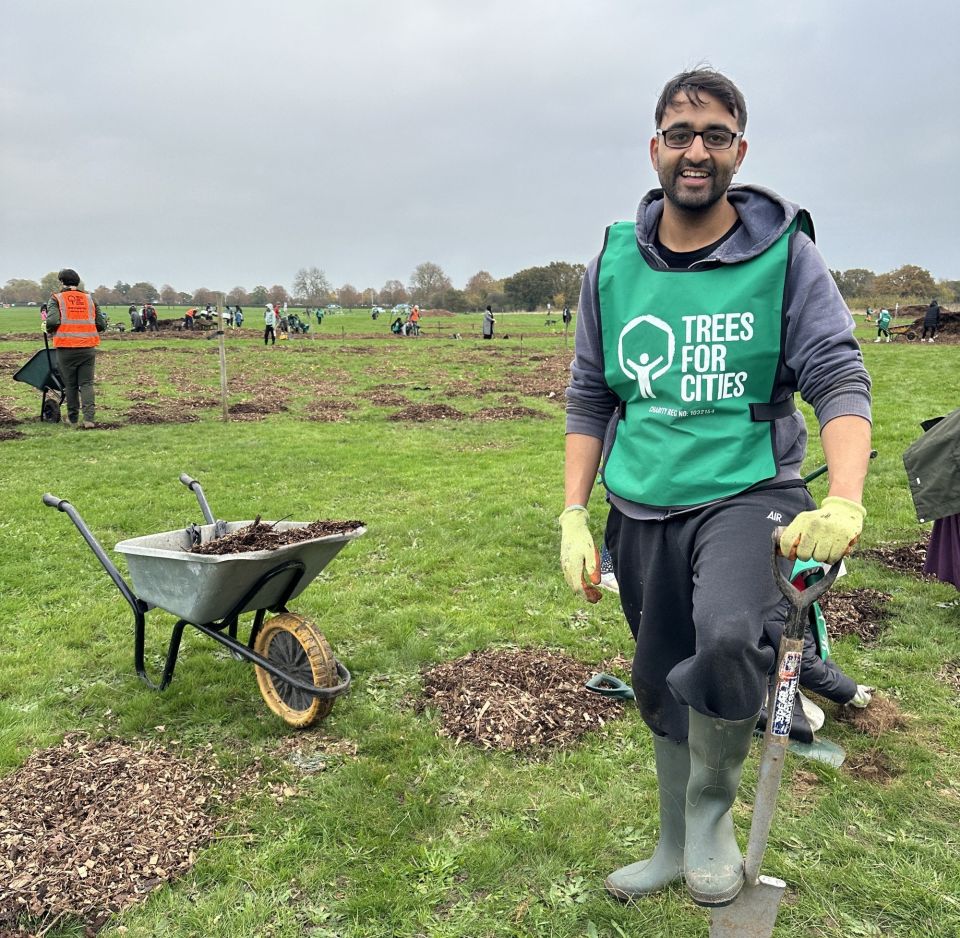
(688, 352)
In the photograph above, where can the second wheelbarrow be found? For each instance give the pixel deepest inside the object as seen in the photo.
(297, 673)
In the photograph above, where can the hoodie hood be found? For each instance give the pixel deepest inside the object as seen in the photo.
(764, 217)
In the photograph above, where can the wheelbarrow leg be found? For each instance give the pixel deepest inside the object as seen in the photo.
(173, 650)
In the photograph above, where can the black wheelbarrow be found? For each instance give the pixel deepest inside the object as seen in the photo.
(297, 673)
(41, 372)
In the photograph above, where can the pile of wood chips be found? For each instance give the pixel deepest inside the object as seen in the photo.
(88, 828)
(860, 612)
(515, 699)
(907, 558)
(260, 535)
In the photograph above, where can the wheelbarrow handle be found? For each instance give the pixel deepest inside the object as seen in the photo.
(195, 487)
(800, 600)
(51, 501)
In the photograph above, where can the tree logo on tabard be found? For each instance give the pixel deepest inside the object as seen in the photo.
(646, 349)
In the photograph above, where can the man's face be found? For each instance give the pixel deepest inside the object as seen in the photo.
(694, 179)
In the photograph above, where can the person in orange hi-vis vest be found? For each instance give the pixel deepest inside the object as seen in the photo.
(76, 322)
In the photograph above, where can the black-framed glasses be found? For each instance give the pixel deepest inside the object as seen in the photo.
(679, 138)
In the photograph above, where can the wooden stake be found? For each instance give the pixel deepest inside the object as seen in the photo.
(223, 360)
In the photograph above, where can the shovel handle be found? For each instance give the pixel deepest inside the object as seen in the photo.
(780, 704)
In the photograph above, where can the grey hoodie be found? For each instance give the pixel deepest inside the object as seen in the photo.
(822, 360)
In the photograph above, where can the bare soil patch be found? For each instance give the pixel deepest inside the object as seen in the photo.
(384, 398)
(7, 417)
(88, 828)
(905, 558)
(516, 412)
(8, 434)
(149, 414)
(859, 612)
(329, 410)
(515, 699)
(261, 536)
(882, 715)
(872, 765)
(255, 410)
(422, 413)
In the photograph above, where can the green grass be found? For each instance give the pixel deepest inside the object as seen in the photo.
(417, 836)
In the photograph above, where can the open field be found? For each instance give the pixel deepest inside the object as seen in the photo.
(373, 824)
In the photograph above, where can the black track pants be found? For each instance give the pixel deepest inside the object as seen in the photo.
(704, 584)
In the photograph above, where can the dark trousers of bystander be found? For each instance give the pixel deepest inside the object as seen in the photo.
(269, 336)
(76, 366)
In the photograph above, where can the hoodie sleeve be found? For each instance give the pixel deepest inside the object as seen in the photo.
(590, 403)
(822, 357)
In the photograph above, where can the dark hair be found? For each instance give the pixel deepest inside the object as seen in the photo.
(709, 81)
(69, 277)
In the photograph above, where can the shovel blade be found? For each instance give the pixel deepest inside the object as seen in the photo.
(752, 914)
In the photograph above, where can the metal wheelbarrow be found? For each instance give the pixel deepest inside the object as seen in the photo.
(41, 372)
(297, 673)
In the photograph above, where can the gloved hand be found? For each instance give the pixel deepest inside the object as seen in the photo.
(862, 697)
(579, 554)
(826, 534)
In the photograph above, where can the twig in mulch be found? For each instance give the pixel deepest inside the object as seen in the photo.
(859, 612)
(90, 827)
(515, 700)
(261, 535)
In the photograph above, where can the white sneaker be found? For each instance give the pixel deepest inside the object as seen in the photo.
(877, 339)
(815, 716)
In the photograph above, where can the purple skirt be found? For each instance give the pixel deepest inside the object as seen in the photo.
(943, 554)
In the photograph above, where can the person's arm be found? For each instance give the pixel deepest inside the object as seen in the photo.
(846, 448)
(53, 315)
(98, 318)
(580, 468)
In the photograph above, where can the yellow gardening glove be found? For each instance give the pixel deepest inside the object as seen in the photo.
(826, 534)
(578, 553)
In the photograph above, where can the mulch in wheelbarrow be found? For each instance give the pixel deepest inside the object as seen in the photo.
(87, 828)
(515, 699)
(262, 536)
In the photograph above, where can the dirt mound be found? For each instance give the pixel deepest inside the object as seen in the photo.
(149, 414)
(515, 700)
(255, 410)
(872, 765)
(437, 312)
(329, 411)
(881, 716)
(949, 330)
(905, 558)
(422, 413)
(859, 612)
(88, 828)
(261, 536)
(517, 412)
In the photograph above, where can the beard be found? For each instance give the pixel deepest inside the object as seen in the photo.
(695, 201)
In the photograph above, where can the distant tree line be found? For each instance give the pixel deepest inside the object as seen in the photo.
(906, 285)
(558, 284)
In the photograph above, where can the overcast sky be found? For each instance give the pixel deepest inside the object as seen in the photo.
(221, 144)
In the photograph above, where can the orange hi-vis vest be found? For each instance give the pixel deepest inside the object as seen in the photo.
(78, 322)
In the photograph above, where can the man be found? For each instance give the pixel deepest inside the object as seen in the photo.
(696, 326)
(269, 325)
(76, 322)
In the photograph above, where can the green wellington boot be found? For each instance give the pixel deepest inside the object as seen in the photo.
(713, 864)
(666, 864)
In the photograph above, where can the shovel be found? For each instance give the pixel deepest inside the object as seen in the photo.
(754, 912)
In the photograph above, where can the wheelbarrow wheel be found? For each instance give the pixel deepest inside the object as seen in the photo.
(296, 645)
(50, 412)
